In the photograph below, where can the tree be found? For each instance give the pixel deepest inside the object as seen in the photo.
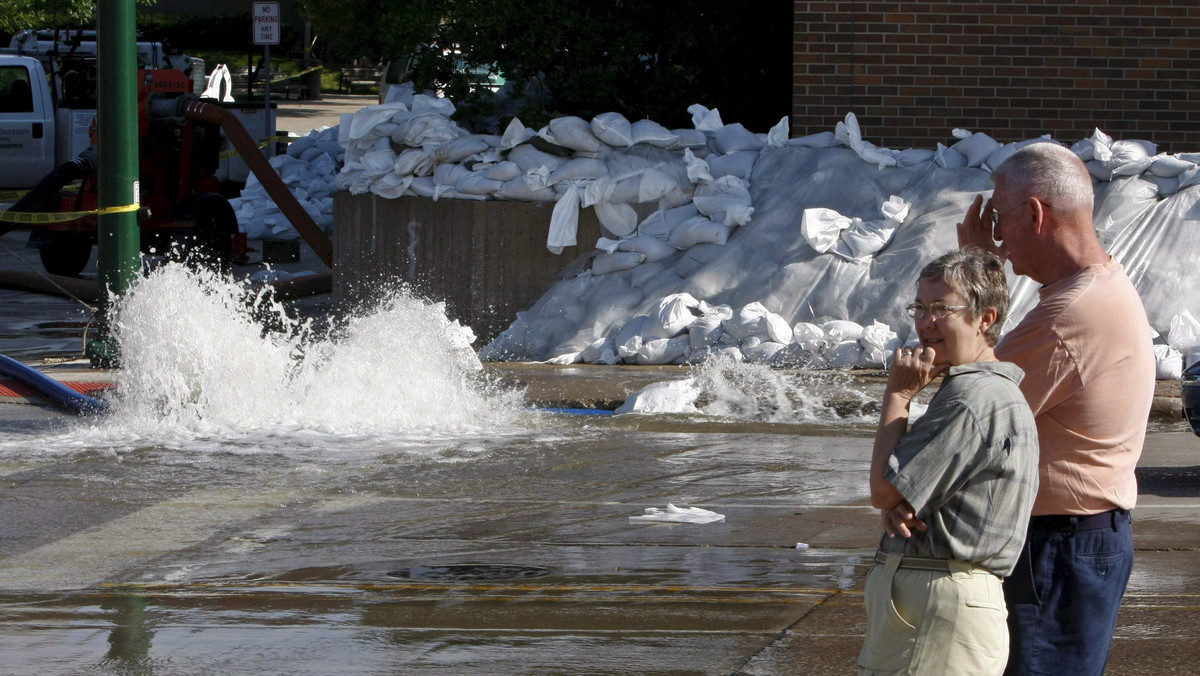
(16, 15)
(642, 59)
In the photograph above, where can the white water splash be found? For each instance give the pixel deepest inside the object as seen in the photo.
(198, 366)
(756, 392)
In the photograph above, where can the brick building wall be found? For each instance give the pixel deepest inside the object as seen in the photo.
(913, 71)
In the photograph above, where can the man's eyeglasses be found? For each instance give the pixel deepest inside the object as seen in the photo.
(938, 310)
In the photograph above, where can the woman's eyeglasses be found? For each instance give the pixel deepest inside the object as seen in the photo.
(938, 310)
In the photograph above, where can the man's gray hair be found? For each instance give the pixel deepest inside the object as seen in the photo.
(978, 277)
(1050, 172)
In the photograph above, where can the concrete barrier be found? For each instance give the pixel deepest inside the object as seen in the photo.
(486, 259)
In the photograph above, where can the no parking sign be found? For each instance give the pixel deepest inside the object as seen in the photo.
(265, 23)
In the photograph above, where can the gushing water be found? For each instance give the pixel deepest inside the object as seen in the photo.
(198, 367)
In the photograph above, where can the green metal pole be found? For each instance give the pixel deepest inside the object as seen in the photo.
(119, 237)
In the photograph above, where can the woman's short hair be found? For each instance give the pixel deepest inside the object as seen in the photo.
(979, 278)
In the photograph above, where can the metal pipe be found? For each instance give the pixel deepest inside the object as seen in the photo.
(241, 140)
(119, 237)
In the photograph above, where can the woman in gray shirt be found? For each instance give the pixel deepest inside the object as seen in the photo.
(956, 488)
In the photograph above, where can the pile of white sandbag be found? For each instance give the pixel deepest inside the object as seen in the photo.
(811, 236)
(307, 169)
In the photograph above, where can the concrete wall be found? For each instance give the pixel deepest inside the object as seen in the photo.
(913, 71)
(487, 260)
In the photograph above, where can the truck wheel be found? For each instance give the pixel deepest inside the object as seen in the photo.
(66, 253)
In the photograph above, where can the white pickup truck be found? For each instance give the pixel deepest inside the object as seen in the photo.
(35, 136)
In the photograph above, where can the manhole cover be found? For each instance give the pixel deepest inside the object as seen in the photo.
(469, 572)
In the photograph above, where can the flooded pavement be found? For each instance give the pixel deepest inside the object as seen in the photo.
(379, 512)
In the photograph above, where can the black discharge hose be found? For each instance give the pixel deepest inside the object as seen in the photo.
(39, 197)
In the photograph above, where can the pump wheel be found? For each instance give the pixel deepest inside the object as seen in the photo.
(209, 241)
(66, 253)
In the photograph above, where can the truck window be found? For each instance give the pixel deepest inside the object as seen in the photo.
(16, 95)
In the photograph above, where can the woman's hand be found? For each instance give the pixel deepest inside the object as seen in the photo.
(912, 369)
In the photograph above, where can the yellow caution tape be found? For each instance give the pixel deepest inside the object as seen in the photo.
(261, 144)
(45, 217)
(295, 75)
(104, 211)
(12, 195)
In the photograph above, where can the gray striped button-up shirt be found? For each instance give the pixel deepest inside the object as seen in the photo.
(969, 468)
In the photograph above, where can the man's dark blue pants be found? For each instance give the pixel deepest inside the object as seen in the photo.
(1066, 590)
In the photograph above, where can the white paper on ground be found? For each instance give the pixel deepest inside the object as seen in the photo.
(673, 514)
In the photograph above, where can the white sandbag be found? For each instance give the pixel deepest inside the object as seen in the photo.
(617, 219)
(1168, 363)
(572, 132)
(699, 230)
(423, 186)
(419, 130)
(376, 163)
(726, 199)
(976, 148)
(391, 186)
(413, 162)
(515, 134)
(761, 352)
(911, 157)
(723, 351)
(738, 163)
(673, 315)
(518, 190)
(449, 174)
(697, 169)
(564, 222)
(459, 149)
(672, 396)
(607, 263)
(602, 351)
(822, 227)
(1184, 331)
(948, 158)
(754, 319)
(476, 183)
(844, 355)
(777, 136)
(690, 138)
(367, 119)
(840, 330)
(656, 185)
(663, 350)
(735, 137)
(613, 129)
(809, 337)
(503, 171)
(531, 159)
(579, 169)
(824, 139)
(865, 238)
(661, 223)
(704, 119)
(653, 248)
(1169, 166)
(629, 339)
(425, 104)
(877, 336)
(1127, 151)
(705, 332)
(653, 133)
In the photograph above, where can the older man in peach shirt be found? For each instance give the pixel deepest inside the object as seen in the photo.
(1087, 354)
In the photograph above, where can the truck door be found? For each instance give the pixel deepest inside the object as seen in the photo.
(26, 127)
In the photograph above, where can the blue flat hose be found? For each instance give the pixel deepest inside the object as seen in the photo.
(577, 411)
(60, 395)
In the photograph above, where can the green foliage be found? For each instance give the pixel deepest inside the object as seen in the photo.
(17, 15)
